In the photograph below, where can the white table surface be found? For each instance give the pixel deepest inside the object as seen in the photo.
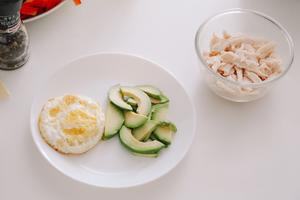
(240, 152)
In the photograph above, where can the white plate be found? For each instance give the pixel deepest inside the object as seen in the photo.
(109, 164)
(45, 13)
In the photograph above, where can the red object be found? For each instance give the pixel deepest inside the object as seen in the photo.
(33, 8)
(77, 2)
(29, 11)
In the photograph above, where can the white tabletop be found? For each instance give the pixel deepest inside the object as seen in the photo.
(241, 151)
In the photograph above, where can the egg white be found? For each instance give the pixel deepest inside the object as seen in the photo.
(61, 119)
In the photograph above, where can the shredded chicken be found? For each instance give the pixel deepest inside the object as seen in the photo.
(252, 77)
(225, 70)
(242, 58)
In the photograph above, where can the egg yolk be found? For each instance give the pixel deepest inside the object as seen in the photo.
(54, 111)
(80, 122)
(70, 99)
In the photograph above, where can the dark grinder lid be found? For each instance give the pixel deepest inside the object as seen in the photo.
(10, 7)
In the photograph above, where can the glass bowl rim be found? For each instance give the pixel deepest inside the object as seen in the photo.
(259, 14)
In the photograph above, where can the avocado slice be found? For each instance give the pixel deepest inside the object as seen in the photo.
(143, 133)
(152, 137)
(113, 122)
(151, 91)
(159, 112)
(115, 96)
(136, 146)
(134, 120)
(164, 132)
(144, 103)
(152, 155)
(132, 102)
(162, 99)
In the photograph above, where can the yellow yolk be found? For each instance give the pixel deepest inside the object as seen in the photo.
(70, 99)
(80, 122)
(74, 131)
(54, 111)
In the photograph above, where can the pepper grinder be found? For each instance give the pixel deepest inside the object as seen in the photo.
(13, 36)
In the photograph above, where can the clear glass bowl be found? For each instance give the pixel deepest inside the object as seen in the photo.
(251, 23)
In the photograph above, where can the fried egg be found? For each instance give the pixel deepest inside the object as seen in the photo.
(71, 124)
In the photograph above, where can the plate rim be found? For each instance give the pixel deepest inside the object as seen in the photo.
(32, 116)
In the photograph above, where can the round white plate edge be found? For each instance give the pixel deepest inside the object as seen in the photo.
(195, 117)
